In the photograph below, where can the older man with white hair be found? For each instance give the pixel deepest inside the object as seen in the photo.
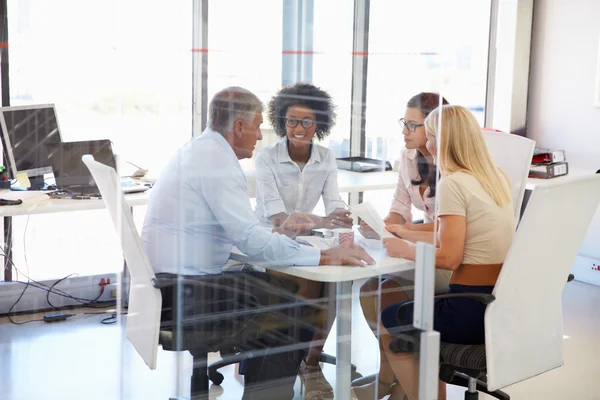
(199, 209)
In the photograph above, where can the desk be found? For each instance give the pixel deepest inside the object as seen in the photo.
(573, 174)
(343, 276)
(532, 183)
(348, 182)
(40, 203)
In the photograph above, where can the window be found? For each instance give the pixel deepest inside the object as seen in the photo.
(244, 49)
(109, 80)
(417, 46)
(332, 65)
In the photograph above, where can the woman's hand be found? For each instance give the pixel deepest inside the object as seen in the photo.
(367, 231)
(398, 230)
(399, 248)
(339, 218)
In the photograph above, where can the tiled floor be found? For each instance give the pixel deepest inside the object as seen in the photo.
(83, 359)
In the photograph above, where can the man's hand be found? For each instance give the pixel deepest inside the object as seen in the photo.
(339, 218)
(346, 254)
(367, 231)
(399, 248)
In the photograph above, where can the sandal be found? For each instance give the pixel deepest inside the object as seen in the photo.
(317, 387)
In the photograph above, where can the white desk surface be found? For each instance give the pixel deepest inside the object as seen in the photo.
(342, 273)
(338, 273)
(40, 203)
(37, 202)
(573, 173)
(348, 181)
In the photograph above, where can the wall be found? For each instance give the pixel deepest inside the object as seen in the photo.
(561, 112)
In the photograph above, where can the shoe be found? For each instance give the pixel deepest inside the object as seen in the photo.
(313, 380)
(367, 392)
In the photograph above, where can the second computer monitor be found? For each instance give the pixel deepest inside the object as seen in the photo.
(26, 131)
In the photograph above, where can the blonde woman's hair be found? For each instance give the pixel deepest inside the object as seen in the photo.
(462, 148)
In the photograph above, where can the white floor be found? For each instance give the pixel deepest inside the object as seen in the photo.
(83, 359)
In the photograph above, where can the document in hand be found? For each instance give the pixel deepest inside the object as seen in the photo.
(367, 213)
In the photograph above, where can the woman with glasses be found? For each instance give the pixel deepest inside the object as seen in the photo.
(416, 187)
(292, 176)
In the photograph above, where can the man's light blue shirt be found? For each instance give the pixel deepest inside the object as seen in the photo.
(199, 209)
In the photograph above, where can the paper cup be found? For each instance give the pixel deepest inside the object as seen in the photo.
(342, 236)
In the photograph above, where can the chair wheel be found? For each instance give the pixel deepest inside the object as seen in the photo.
(216, 377)
(355, 375)
(471, 396)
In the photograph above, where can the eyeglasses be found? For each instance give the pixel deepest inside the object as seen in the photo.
(293, 122)
(411, 126)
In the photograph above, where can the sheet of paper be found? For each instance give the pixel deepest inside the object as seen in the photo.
(23, 180)
(366, 212)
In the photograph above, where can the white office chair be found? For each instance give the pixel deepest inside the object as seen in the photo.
(145, 301)
(512, 153)
(523, 321)
(215, 332)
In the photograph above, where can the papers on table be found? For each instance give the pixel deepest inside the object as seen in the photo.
(367, 213)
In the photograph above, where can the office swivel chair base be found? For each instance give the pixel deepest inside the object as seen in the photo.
(217, 378)
(466, 378)
(199, 379)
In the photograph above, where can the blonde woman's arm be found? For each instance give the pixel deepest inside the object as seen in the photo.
(450, 248)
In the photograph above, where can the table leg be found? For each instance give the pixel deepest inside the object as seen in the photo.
(343, 348)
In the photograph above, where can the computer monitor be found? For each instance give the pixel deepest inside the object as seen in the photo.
(26, 131)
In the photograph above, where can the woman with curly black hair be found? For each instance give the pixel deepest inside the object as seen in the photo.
(292, 175)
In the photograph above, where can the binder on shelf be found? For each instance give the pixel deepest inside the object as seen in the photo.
(545, 156)
(547, 171)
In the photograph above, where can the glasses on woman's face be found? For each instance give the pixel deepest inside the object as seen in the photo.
(411, 126)
(293, 122)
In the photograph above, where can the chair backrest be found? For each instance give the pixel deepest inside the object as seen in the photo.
(524, 326)
(143, 316)
(512, 154)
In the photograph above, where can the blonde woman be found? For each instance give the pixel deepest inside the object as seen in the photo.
(476, 228)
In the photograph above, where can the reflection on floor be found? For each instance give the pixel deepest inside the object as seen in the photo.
(83, 359)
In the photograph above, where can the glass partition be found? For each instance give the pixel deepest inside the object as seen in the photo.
(248, 272)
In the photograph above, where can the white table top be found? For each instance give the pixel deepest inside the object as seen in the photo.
(573, 173)
(347, 181)
(338, 273)
(384, 264)
(38, 202)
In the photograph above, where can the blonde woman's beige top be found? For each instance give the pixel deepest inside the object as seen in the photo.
(490, 228)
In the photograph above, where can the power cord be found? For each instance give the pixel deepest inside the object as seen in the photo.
(26, 285)
(109, 320)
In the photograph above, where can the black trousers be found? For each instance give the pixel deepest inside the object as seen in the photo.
(243, 311)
